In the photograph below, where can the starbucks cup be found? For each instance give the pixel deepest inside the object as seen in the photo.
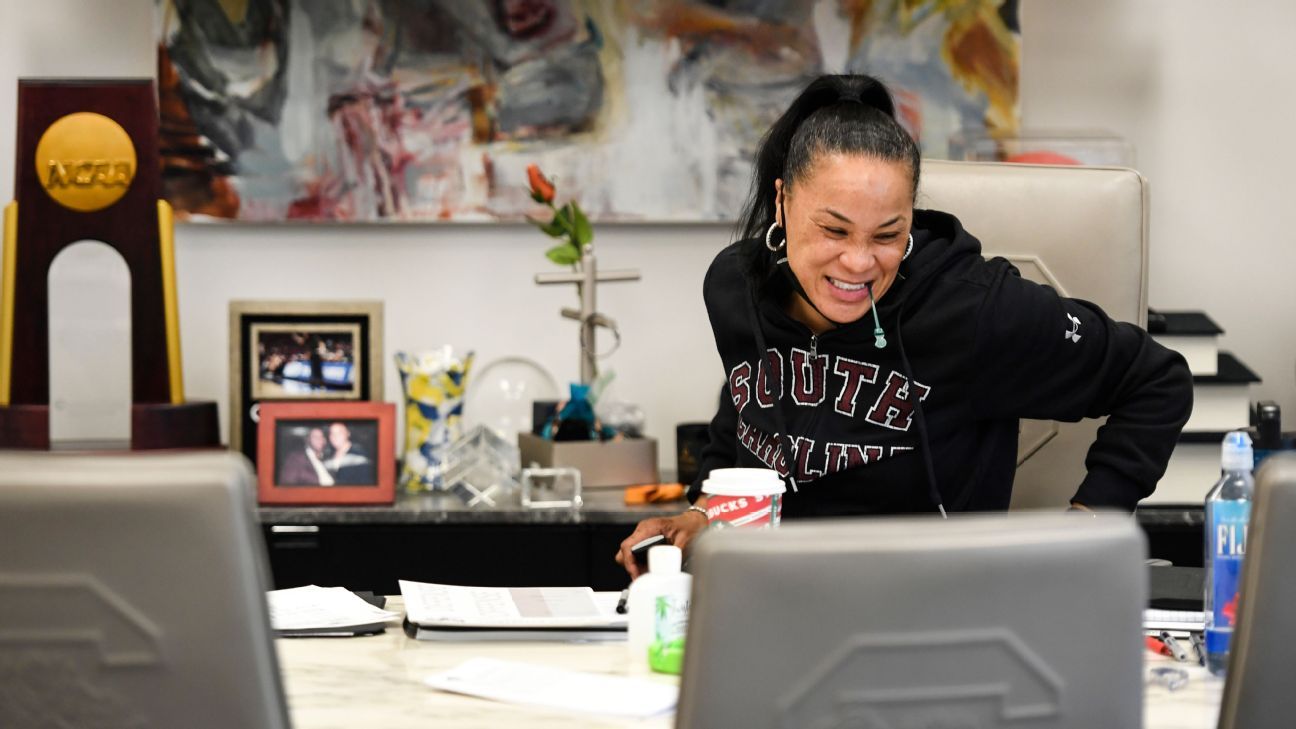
(744, 497)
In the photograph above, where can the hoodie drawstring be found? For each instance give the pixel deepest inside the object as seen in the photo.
(786, 440)
(932, 491)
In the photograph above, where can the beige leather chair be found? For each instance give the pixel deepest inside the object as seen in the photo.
(1081, 230)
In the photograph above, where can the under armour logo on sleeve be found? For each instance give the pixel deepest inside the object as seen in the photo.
(1072, 333)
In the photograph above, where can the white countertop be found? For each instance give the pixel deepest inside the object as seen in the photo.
(344, 683)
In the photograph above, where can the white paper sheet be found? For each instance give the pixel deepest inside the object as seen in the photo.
(430, 604)
(1183, 620)
(556, 688)
(303, 608)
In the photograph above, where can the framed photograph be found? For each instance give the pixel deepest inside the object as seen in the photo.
(300, 351)
(326, 453)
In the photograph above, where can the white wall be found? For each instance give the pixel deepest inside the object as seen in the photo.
(1204, 90)
(1201, 88)
(470, 286)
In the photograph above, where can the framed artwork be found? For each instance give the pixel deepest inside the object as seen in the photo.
(327, 452)
(321, 351)
(405, 111)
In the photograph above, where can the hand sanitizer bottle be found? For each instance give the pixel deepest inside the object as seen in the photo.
(670, 613)
(1228, 514)
(663, 581)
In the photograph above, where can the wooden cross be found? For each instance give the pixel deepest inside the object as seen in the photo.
(587, 278)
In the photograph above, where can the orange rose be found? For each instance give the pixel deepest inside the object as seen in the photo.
(542, 190)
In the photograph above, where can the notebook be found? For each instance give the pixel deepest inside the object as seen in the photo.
(460, 612)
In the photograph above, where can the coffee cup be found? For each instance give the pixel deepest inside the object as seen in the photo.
(744, 497)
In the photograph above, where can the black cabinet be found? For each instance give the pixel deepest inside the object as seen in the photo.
(373, 550)
(1175, 533)
(374, 556)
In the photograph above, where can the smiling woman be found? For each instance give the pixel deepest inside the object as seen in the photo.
(880, 364)
(851, 216)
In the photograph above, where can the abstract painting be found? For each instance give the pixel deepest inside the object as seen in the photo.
(643, 110)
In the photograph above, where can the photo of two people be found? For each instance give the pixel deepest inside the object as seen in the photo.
(326, 453)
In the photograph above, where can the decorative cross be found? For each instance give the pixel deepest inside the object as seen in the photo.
(587, 278)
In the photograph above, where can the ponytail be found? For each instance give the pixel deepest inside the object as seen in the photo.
(852, 114)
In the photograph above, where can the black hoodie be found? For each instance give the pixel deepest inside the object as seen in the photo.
(978, 345)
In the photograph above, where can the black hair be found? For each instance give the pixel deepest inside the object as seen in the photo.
(851, 114)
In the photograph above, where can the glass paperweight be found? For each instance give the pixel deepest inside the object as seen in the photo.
(551, 488)
(500, 395)
(1046, 147)
(481, 468)
(623, 418)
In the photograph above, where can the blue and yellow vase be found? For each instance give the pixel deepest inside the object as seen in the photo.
(434, 385)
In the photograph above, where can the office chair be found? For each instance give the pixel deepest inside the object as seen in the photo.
(1081, 230)
(132, 593)
(1005, 620)
(1258, 692)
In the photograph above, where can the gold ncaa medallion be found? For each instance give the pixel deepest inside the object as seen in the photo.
(85, 161)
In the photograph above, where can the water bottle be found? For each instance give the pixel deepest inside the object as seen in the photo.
(1228, 514)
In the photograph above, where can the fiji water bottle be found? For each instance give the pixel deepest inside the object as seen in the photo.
(1228, 512)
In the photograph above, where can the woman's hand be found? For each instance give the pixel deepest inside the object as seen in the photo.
(678, 530)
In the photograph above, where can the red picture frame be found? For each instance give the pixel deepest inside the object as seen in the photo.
(326, 452)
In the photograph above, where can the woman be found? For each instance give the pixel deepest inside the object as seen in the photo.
(881, 364)
(349, 464)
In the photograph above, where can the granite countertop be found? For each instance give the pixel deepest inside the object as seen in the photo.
(603, 506)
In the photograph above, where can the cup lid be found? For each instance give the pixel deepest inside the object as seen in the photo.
(744, 482)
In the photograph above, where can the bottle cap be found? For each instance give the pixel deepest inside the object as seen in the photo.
(1236, 452)
(664, 559)
(1268, 422)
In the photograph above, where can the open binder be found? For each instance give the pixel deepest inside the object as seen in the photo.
(462, 613)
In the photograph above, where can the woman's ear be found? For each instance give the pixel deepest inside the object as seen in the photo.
(778, 203)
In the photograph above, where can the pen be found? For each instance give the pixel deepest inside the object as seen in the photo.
(1198, 648)
(1155, 645)
(621, 602)
(1177, 650)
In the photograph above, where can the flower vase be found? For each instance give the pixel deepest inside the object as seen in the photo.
(433, 383)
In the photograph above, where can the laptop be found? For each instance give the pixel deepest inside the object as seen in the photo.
(1010, 620)
(1258, 689)
(132, 593)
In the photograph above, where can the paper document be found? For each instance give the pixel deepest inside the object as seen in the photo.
(303, 608)
(533, 685)
(430, 604)
(1189, 620)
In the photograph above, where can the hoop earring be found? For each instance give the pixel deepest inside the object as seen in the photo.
(908, 248)
(769, 238)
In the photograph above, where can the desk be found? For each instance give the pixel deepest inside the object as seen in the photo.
(344, 683)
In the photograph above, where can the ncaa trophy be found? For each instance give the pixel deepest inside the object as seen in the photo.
(87, 168)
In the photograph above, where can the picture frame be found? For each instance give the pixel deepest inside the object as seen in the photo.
(326, 452)
(300, 351)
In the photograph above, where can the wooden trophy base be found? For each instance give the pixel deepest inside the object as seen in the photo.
(154, 426)
(163, 425)
(25, 426)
